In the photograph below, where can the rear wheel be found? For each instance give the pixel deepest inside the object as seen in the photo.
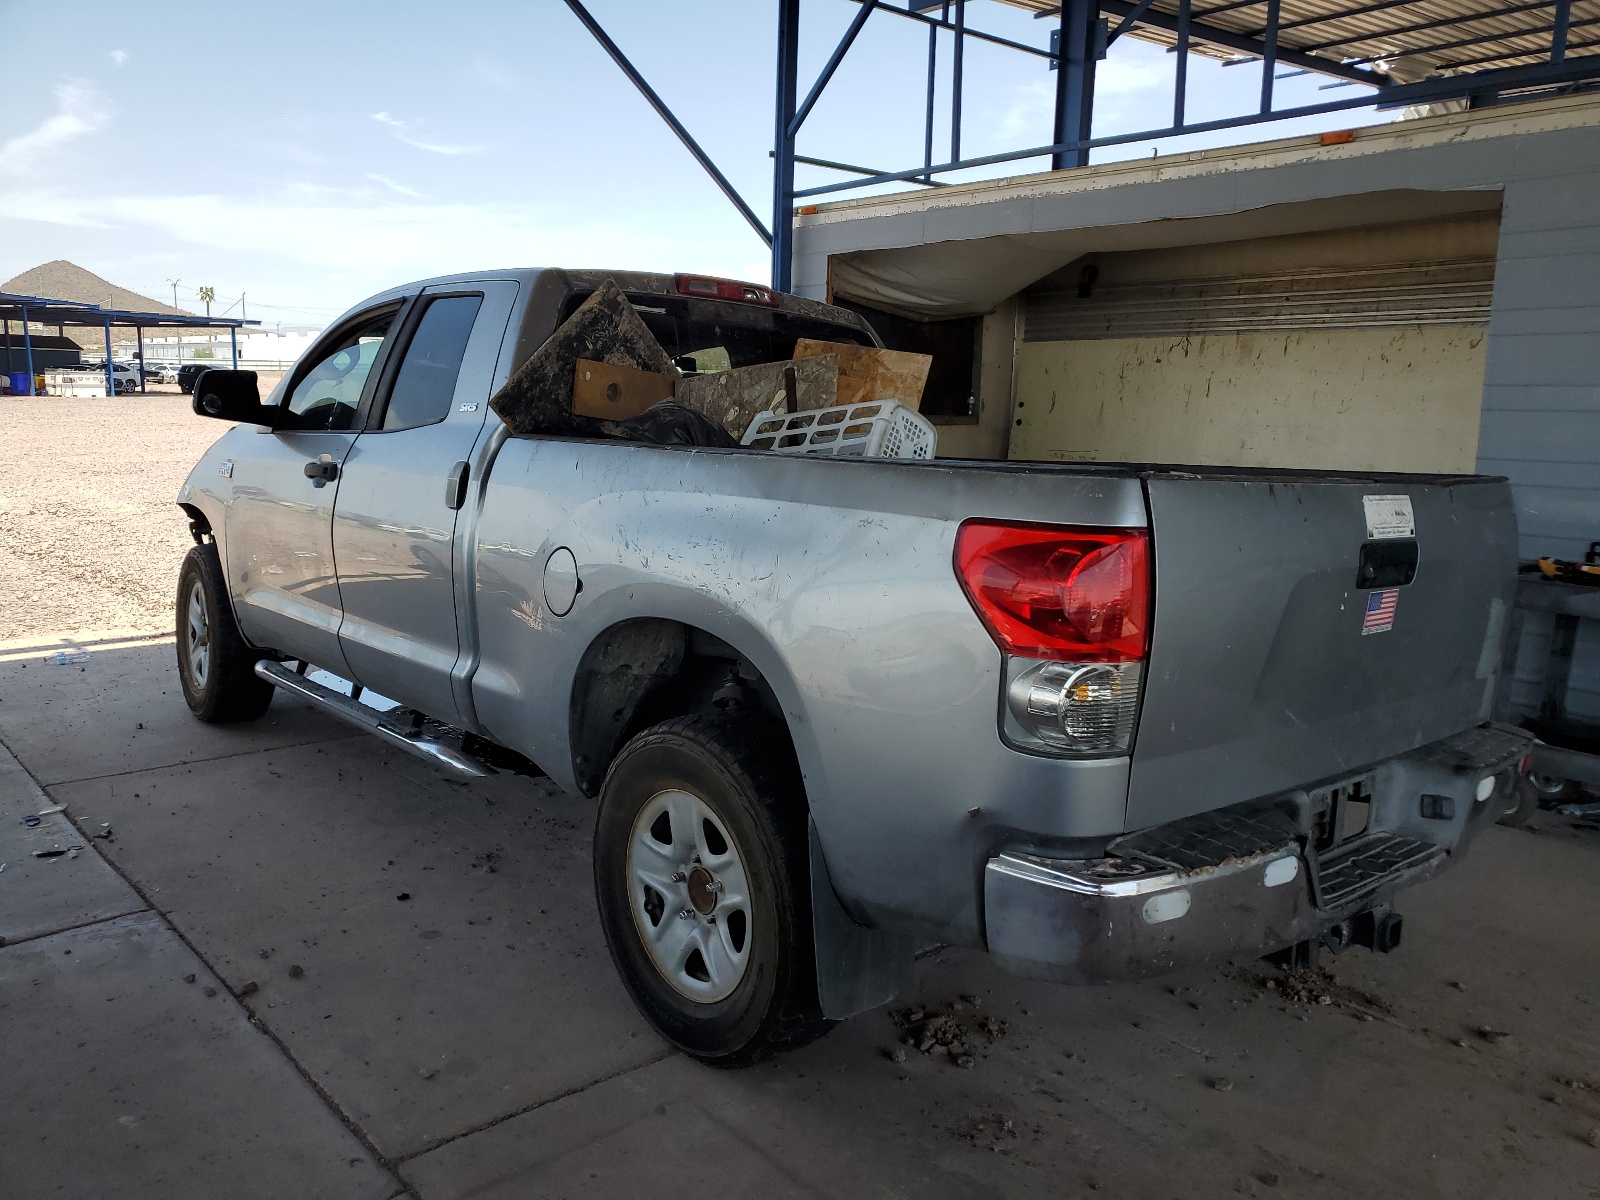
(215, 666)
(702, 877)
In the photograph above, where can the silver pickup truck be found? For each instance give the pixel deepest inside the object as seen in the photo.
(1101, 719)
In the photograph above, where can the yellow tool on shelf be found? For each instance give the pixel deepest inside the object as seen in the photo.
(1586, 572)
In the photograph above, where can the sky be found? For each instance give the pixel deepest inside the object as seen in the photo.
(303, 156)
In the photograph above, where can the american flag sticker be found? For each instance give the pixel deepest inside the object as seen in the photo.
(1381, 606)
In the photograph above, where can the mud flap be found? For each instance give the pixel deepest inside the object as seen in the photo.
(857, 967)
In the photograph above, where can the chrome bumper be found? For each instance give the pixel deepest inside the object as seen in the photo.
(1238, 882)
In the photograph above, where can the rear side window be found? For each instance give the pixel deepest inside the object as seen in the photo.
(426, 382)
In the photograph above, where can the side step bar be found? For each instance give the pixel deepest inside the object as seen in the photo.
(382, 724)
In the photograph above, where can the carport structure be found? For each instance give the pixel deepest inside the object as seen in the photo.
(1400, 53)
(42, 310)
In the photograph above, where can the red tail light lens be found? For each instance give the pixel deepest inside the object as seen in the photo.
(725, 289)
(1059, 592)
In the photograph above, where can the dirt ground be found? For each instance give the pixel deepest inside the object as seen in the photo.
(90, 536)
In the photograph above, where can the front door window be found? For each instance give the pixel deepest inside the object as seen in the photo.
(328, 395)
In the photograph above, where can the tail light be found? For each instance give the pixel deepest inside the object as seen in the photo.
(1071, 609)
(725, 289)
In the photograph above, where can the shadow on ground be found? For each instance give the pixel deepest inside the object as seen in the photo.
(424, 1001)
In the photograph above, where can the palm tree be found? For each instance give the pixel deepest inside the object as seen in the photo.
(207, 295)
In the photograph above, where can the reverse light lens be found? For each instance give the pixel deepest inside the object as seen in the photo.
(725, 289)
(1059, 592)
(1082, 708)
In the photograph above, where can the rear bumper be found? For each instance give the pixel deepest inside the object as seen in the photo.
(1243, 881)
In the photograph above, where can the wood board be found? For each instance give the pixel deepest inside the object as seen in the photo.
(733, 398)
(616, 392)
(867, 373)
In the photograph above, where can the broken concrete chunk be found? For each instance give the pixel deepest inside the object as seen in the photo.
(605, 329)
(735, 398)
(867, 373)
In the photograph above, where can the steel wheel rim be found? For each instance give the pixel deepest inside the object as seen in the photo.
(690, 896)
(197, 638)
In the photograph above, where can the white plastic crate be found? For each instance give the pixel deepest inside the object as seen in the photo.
(878, 429)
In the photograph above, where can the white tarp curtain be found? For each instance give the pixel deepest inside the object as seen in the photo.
(968, 277)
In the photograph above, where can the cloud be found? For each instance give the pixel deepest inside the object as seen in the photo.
(401, 188)
(402, 133)
(77, 115)
(119, 57)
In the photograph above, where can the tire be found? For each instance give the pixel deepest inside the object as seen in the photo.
(215, 666)
(734, 782)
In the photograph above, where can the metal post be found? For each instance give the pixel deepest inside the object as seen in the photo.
(111, 374)
(233, 342)
(27, 344)
(933, 64)
(138, 333)
(1558, 32)
(955, 80)
(1181, 73)
(9, 364)
(783, 145)
(1075, 82)
(1269, 56)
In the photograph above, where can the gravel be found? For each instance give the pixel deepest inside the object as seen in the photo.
(90, 535)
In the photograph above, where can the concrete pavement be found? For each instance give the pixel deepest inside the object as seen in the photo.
(433, 1010)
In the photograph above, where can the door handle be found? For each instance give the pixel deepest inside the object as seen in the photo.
(455, 487)
(322, 471)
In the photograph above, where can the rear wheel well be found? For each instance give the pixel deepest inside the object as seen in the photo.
(642, 672)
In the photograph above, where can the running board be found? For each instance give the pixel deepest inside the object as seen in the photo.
(383, 724)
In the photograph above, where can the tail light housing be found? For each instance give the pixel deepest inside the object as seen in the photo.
(725, 289)
(1070, 607)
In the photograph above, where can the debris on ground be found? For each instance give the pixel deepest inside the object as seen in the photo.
(427, 1072)
(189, 978)
(933, 1031)
(1492, 1036)
(1577, 1085)
(1222, 1084)
(68, 658)
(994, 1132)
(104, 834)
(31, 820)
(249, 989)
(486, 861)
(1316, 986)
(296, 971)
(211, 991)
(57, 852)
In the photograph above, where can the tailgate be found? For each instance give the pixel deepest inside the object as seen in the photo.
(1261, 678)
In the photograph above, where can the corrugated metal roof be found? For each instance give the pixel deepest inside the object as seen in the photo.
(1407, 39)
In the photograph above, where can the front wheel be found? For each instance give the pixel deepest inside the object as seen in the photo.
(215, 665)
(702, 878)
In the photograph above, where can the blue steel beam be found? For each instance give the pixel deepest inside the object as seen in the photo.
(783, 149)
(1422, 26)
(665, 113)
(980, 35)
(1487, 83)
(1075, 83)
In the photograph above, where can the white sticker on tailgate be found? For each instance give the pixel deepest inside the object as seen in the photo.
(1389, 517)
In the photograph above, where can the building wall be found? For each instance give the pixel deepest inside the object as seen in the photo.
(1540, 402)
(1400, 399)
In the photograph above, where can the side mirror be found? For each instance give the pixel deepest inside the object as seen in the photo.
(233, 396)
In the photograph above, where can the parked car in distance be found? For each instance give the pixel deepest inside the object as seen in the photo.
(190, 371)
(161, 372)
(1101, 720)
(123, 374)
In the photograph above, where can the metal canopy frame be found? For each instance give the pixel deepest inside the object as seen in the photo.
(42, 310)
(1529, 58)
